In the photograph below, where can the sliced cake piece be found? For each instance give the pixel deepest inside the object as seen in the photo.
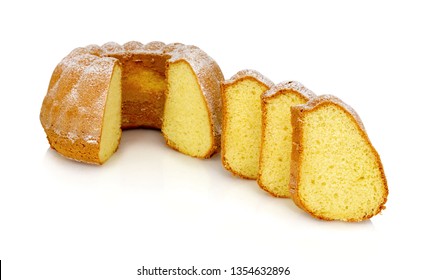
(336, 174)
(192, 111)
(277, 133)
(242, 122)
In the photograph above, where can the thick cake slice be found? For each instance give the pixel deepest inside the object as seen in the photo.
(192, 112)
(336, 174)
(276, 145)
(242, 122)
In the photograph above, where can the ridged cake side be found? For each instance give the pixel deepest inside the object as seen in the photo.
(72, 111)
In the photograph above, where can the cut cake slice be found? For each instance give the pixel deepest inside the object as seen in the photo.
(192, 111)
(242, 122)
(276, 141)
(336, 174)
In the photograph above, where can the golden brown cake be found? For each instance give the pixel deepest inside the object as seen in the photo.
(277, 133)
(95, 91)
(336, 174)
(242, 122)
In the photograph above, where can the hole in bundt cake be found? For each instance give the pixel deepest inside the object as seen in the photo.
(143, 93)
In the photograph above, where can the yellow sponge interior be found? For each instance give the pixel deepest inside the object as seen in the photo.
(111, 124)
(242, 127)
(143, 96)
(274, 168)
(186, 121)
(340, 172)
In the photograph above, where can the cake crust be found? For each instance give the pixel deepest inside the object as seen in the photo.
(248, 74)
(74, 98)
(297, 151)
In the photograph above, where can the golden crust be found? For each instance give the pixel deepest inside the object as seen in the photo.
(297, 113)
(247, 74)
(72, 111)
(73, 124)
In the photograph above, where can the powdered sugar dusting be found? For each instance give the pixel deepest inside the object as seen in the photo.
(73, 107)
(250, 73)
(209, 78)
(289, 85)
(72, 135)
(112, 47)
(91, 140)
(154, 46)
(133, 46)
(334, 100)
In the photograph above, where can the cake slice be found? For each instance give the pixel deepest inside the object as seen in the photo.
(336, 174)
(277, 133)
(192, 111)
(242, 122)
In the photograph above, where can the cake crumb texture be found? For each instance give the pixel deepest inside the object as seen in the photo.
(242, 122)
(186, 118)
(277, 132)
(336, 172)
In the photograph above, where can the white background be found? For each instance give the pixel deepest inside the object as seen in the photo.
(149, 205)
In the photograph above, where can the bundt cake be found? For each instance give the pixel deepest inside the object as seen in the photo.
(242, 122)
(96, 91)
(336, 174)
(277, 133)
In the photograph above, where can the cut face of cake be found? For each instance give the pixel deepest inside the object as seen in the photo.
(111, 123)
(242, 122)
(187, 122)
(277, 133)
(336, 173)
